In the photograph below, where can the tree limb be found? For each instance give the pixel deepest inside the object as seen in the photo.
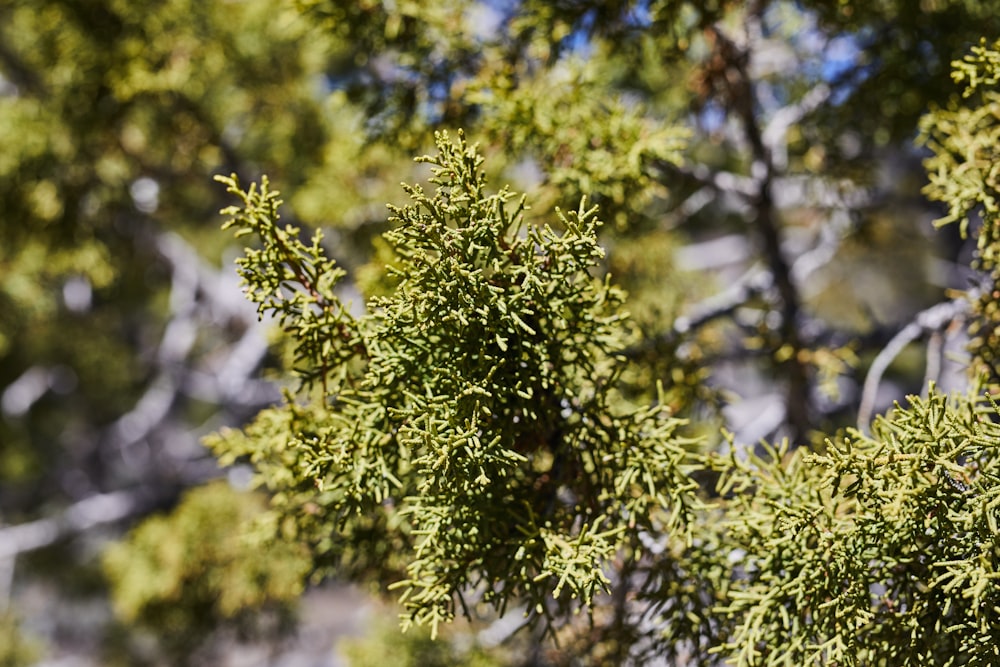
(79, 517)
(737, 87)
(935, 318)
(752, 283)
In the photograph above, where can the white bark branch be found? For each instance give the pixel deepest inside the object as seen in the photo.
(935, 318)
(77, 518)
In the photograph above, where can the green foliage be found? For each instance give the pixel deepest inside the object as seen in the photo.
(483, 436)
(964, 173)
(882, 550)
(204, 566)
(386, 645)
(96, 99)
(482, 423)
(15, 649)
(480, 430)
(371, 547)
(479, 443)
(605, 149)
(979, 69)
(309, 312)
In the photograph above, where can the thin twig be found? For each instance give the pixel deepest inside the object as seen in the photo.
(935, 318)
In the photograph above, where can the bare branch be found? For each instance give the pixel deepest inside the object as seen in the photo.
(738, 90)
(753, 282)
(776, 132)
(77, 518)
(718, 181)
(936, 318)
(196, 286)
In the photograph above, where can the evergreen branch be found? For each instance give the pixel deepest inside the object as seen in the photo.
(294, 282)
(484, 424)
(844, 552)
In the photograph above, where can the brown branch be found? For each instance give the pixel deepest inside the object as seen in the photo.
(736, 86)
(750, 285)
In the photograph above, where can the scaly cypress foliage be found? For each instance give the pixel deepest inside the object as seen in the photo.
(965, 175)
(476, 422)
(474, 446)
(882, 550)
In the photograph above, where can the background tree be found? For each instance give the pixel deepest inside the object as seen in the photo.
(121, 337)
(752, 162)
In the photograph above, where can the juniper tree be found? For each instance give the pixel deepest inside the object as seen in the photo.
(202, 568)
(114, 121)
(467, 438)
(119, 337)
(880, 550)
(472, 417)
(753, 162)
(883, 549)
(963, 175)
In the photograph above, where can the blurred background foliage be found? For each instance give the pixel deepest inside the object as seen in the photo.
(182, 576)
(114, 121)
(766, 269)
(385, 646)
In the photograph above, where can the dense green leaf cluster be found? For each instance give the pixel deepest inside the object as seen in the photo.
(479, 430)
(964, 173)
(294, 282)
(481, 419)
(478, 448)
(605, 149)
(881, 550)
